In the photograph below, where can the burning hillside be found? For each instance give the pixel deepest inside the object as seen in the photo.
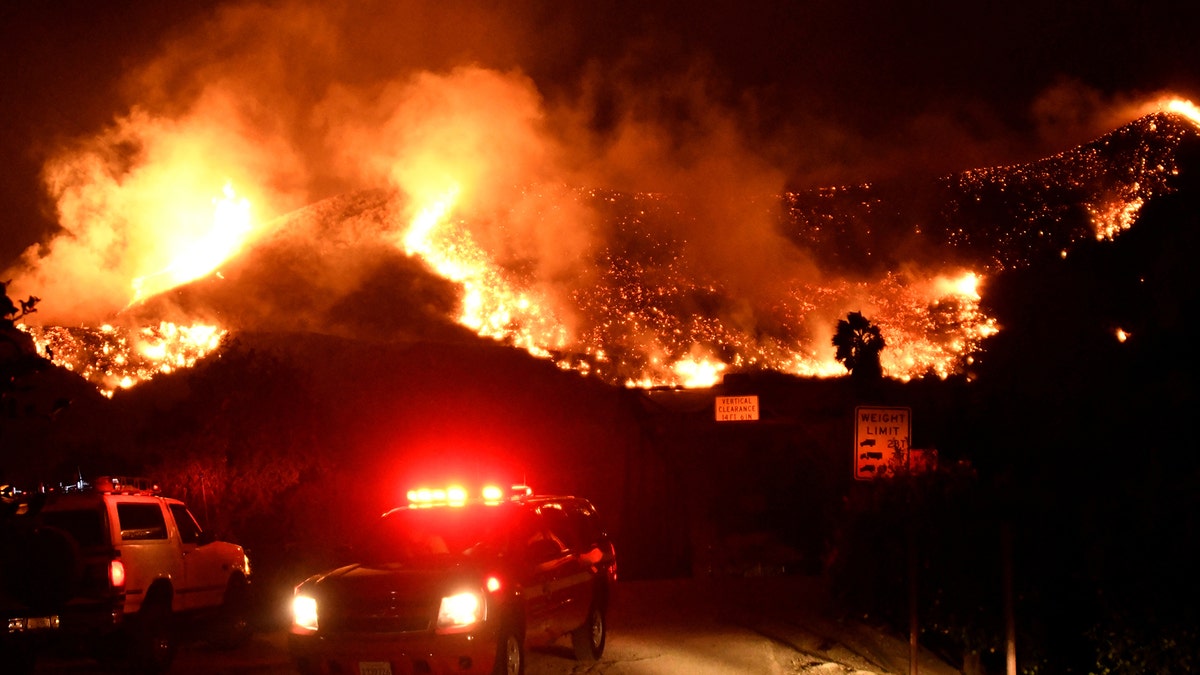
(997, 218)
(112, 358)
(635, 304)
(457, 204)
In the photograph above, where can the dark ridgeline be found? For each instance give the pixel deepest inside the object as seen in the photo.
(998, 218)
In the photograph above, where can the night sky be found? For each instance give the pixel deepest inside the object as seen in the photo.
(826, 93)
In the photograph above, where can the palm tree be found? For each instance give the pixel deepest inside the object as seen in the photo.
(858, 345)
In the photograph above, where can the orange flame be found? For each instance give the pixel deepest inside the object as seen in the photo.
(491, 305)
(1183, 107)
(113, 358)
(932, 325)
(698, 373)
(196, 257)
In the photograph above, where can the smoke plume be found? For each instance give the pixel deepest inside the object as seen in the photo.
(294, 102)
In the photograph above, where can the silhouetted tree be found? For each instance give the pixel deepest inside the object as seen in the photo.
(858, 345)
(18, 354)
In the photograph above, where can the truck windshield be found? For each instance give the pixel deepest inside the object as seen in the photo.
(422, 535)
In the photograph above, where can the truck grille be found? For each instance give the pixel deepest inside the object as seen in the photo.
(380, 617)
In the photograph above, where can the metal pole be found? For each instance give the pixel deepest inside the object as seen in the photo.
(1010, 623)
(913, 630)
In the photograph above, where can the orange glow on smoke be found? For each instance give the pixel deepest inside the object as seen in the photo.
(195, 256)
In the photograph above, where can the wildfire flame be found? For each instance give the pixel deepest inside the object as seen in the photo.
(1183, 107)
(1118, 214)
(643, 318)
(115, 358)
(637, 335)
(931, 326)
(231, 227)
(491, 305)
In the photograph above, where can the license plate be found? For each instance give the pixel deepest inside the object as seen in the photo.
(374, 668)
(42, 623)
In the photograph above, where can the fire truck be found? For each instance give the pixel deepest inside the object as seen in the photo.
(456, 582)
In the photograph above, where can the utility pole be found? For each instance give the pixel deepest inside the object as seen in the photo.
(913, 559)
(914, 649)
(1010, 623)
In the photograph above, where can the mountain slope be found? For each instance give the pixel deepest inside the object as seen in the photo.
(666, 292)
(997, 218)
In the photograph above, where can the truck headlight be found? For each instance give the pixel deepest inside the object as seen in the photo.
(461, 609)
(304, 613)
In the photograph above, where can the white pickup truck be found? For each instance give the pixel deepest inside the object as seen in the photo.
(113, 567)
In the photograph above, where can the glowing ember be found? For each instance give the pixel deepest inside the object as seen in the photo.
(114, 358)
(1016, 214)
(1120, 210)
(1116, 217)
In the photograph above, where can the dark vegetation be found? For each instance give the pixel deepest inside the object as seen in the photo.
(18, 355)
(858, 345)
(1078, 445)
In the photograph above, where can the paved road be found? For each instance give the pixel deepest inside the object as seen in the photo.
(731, 627)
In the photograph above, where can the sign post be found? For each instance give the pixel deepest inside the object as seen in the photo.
(881, 441)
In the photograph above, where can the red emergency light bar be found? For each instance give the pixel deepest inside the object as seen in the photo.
(455, 495)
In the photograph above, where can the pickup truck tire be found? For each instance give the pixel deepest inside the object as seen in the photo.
(152, 641)
(588, 640)
(510, 652)
(232, 629)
